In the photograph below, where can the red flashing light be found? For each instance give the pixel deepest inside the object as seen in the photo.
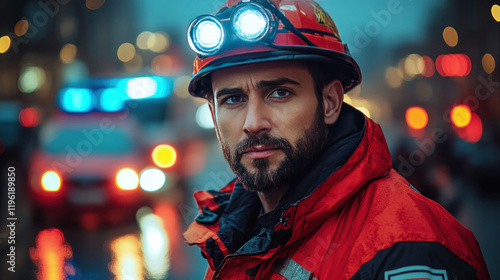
(29, 117)
(453, 65)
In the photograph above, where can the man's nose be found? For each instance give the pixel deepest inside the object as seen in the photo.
(257, 119)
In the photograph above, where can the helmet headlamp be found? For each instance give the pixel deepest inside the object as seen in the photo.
(206, 35)
(250, 22)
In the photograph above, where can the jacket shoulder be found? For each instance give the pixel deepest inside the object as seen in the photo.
(391, 212)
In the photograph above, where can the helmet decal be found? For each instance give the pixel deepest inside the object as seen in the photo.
(323, 18)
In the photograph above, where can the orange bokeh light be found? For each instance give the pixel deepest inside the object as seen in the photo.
(416, 117)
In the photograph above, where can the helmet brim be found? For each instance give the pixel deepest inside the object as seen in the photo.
(343, 67)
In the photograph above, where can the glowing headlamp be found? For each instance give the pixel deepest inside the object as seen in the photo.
(206, 35)
(249, 22)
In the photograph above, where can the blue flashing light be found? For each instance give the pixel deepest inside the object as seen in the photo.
(76, 100)
(112, 100)
(148, 87)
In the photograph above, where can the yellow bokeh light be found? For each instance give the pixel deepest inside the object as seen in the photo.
(414, 65)
(21, 27)
(158, 42)
(68, 53)
(126, 52)
(94, 4)
(450, 36)
(142, 40)
(164, 156)
(4, 43)
(495, 12)
(461, 116)
(416, 117)
(393, 77)
(488, 63)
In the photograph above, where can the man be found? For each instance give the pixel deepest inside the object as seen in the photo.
(315, 195)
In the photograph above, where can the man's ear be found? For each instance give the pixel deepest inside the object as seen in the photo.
(333, 95)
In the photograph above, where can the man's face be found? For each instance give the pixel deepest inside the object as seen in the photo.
(268, 122)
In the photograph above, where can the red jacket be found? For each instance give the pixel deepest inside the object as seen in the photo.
(363, 222)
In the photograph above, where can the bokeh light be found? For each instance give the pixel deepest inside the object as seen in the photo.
(453, 65)
(473, 132)
(152, 179)
(4, 43)
(68, 53)
(416, 117)
(51, 181)
(414, 65)
(488, 62)
(158, 42)
(164, 65)
(127, 179)
(204, 117)
(31, 79)
(393, 77)
(460, 115)
(29, 117)
(164, 156)
(450, 36)
(94, 4)
(126, 258)
(51, 255)
(21, 27)
(429, 68)
(126, 52)
(495, 12)
(142, 40)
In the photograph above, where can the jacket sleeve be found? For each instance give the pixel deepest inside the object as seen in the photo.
(416, 260)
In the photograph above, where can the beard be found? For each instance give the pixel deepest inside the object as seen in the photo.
(299, 158)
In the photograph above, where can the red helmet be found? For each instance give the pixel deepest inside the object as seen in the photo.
(244, 32)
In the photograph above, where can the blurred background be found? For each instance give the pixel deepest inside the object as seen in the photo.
(107, 146)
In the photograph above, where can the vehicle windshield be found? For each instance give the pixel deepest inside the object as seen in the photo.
(87, 140)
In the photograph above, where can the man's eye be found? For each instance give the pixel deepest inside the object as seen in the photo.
(233, 100)
(280, 93)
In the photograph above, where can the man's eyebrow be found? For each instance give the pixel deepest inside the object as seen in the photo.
(276, 82)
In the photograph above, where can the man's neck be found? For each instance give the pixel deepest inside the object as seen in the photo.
(270, 199)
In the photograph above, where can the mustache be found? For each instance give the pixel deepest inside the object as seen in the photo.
(265, 140)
